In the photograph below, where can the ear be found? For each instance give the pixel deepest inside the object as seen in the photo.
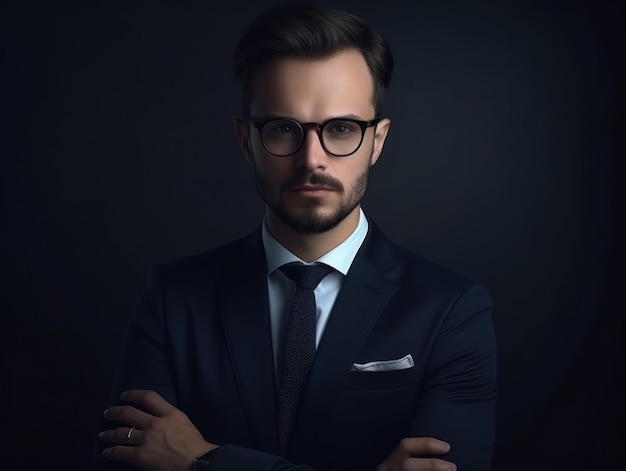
(380, 134)
(242, 128)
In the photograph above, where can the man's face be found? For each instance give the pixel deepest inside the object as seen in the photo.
(312, 191)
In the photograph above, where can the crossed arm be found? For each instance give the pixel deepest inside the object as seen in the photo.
(456, 404)
(161, 437)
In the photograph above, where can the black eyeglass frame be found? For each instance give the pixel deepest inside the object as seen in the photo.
(261, 123)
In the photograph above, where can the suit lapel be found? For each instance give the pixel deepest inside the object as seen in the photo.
(245, 316)
(364, 294)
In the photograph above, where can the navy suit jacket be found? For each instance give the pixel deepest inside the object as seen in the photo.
(200, 336)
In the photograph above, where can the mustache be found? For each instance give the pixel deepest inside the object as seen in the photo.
(316, 179)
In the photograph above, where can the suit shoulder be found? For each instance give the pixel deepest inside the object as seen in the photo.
(436, 275)
(407, 267)
(427, 267)
(414, 270)
(211, 261)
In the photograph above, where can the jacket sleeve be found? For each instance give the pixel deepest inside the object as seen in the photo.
(233, 457)
(145, 363)
(458, 397)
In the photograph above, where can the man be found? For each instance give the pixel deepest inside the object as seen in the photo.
(231, 363)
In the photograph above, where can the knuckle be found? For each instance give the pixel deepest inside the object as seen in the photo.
(430, 442)
(439, 465)
(434, 445)
(138, 396)
(405, 465)
(113, 452)
(140, 454)
(138, 440)
(405, 445)
(151, 396)
(153, 423)
(120, 435)
(124, 412)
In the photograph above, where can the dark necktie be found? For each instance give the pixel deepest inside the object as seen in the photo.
(299, 344)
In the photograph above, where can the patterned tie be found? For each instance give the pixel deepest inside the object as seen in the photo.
(299, 344)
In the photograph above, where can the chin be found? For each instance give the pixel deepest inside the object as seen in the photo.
(315, 220)
(312, 225)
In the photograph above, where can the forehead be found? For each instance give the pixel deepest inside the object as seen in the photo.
(315, 89)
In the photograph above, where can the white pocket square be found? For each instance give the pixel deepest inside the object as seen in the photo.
(385, 365)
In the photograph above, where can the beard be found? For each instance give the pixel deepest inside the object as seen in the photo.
(307, 219)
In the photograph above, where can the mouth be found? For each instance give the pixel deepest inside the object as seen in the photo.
(312, 190)
(315, 185)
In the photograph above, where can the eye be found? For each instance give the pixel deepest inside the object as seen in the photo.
(282, 128)
(340, 128)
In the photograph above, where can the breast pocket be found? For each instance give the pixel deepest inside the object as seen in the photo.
(381, 380)
(375, 410)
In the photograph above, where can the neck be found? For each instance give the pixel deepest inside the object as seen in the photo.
(310, 247)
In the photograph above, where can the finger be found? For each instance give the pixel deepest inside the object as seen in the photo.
(128, 415)
(414, 447)
(150, 400)
(121, 436)
(418, 464)
(425, 464)
(419, 446)
(121, 453)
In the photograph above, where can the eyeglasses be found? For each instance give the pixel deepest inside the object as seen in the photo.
(339, 137)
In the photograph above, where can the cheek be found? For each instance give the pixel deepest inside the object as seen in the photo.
(262, 162)
(273, 169)
(351, 173)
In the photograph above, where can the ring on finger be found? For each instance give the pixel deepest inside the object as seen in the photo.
(130, 434)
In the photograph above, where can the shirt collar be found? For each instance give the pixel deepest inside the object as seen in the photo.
(340, 258)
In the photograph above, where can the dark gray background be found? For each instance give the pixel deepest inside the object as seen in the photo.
(502, 163)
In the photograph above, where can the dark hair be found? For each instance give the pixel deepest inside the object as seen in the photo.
(300, 29)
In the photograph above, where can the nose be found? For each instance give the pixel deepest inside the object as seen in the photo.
(311, 156)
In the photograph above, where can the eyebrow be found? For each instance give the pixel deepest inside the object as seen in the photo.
(284, 116)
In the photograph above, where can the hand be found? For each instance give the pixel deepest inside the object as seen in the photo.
(163, 440)
(409, 454)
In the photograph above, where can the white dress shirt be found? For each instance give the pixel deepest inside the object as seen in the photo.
(280, 289)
